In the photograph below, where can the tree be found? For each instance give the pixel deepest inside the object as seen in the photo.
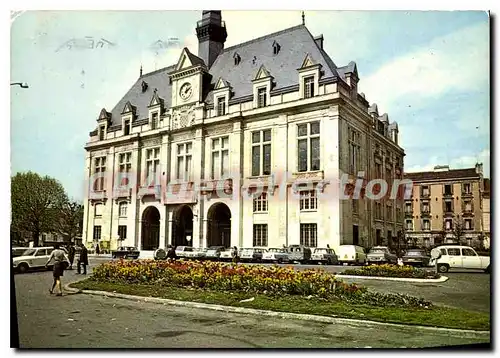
(71, 220)
(458, 229)
(442, 235)
(35, 204)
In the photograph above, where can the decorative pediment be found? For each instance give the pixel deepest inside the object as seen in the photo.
(308, 62)
(128, 108)
(221, 83)
(104, 115)
(187, 59)
(262, 73)
(155, 100)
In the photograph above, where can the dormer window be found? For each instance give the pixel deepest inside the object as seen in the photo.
(154, 120)
(261, 97)
(309, 87)
(237, 59)
(276, 48)
(221, 106)
(102, 132)
(126, 127)
(144, 86)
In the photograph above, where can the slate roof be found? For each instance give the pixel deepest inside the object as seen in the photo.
(442, 175)
(295, 43)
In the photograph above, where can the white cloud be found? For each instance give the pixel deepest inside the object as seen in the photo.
(466, 161)
(457, 61)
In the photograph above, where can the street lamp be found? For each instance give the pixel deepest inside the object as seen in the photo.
(20, 84)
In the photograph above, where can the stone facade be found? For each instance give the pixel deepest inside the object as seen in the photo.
(205, 167)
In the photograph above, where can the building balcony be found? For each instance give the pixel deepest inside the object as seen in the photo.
(119, 193)
(152, 190)
(211, 186)
(180, 193)
(98, 195)
(425, 195)
(448, 195)
(467, 213)
(467, 194)
(448, 214)
(425, 213)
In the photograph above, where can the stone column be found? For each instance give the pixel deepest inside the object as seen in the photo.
(236, 158)
(87, 207)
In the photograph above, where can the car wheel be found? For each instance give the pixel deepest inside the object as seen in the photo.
(23, 268)
(488, 269)
(443, 268)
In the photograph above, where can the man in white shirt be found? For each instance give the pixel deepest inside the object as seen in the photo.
(59, 257)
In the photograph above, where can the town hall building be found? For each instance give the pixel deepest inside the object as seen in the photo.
(242, 146)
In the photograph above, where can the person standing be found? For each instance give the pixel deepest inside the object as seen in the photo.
(71, 256)
(234, 253)
(83, 259)
(97, 250)
(59, 258)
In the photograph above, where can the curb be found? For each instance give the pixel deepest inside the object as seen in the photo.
(401, 279)
(286, 315)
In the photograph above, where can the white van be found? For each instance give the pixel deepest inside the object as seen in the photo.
(351, 254)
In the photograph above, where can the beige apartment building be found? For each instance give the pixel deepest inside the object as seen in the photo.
(441, 200)
(241, 146)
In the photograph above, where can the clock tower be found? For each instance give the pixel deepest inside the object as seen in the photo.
(212, 34)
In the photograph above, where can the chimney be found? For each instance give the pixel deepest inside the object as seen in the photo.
(479, 168)
(319, 41)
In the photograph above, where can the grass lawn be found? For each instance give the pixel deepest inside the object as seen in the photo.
(433, 316)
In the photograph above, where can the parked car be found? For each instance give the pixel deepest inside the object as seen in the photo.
(183, 251)
(198, 253)
(324, 256)
(213, 252)
(416, 257)
(126, 252)
(252, 254)
(18, 251)
(227, 254)
(381, 255)
(351, 254)
(278, 255)
(464, 257)
(299, 253)
(33, 258)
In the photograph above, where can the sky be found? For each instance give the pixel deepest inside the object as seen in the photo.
(428, 70)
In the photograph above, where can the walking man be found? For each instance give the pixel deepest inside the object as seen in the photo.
(83, 259)
(59, 258)
(71, 256)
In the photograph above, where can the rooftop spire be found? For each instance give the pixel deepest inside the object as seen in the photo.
(140, 72)
(303, 18)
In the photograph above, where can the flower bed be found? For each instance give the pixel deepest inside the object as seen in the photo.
(268, 280)
(391, 271)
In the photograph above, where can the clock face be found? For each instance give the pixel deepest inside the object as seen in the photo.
(186, 91)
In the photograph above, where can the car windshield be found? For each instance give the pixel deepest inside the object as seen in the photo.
(320, 251)
(378, 251)
(276, 250)
(415, 253)
(29, 252)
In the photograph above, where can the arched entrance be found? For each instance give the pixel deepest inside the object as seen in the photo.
(182, 228)
(219, 225)
(150, 232)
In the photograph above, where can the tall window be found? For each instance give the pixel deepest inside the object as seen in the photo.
(308, 146)
(466, 188)
(378, 171)
(102, 132)
(99, 170)
(259, 234)
(97, 232)
(126, 127)
(261, 97)
(409, 225)
(408, 208)
(309, 87)
(448, 207)
(124, 167)
(184, 158)
(154, 120)
(221, 106)
(122, 209)
(388, 212)
(260, 203)
(448, 189)
(425, 208)
(354, 151)
(261, 152)
(220, 157)
(309, 235)
(98, 210)
(427, 225)
(425, 190)
(468, 224)
(468, 206)
(447, 224)
(152, 165)
(378, 211)
(122, 232)
(308, 200)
